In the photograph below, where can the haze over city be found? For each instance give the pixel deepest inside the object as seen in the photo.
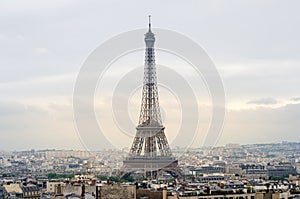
(255, 47)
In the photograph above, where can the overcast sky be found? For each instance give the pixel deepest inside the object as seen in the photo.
(255, 46)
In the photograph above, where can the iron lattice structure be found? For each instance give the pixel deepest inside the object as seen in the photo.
(150, 151)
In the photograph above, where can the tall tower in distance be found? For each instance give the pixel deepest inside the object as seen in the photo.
(150, 152)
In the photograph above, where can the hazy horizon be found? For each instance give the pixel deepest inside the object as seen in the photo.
(128, 148)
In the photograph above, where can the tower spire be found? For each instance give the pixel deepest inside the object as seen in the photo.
(149, 23)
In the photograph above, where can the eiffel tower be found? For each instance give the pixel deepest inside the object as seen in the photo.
(150, 152)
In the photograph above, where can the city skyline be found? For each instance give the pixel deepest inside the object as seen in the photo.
(255, 54)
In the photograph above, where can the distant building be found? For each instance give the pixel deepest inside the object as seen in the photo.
(13, 190)
(206, 170)
(212, 178)
(116, 192)
(297, 165)
(20, 191)
(67, 153)
(3, 193)
(31, 192)
(227, 196)
(277, 195)
(282, 170)
(51, 186)
(254, 170)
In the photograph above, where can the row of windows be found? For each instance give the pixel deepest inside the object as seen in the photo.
(31, 193)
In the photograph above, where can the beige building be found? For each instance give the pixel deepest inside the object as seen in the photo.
(116, 192)
(51, 186)
(20, 191)
(227, 196)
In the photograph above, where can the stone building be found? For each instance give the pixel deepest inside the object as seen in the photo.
(114, 191)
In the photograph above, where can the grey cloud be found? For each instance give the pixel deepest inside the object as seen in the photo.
(263, 101)
(26, 126)
(14, 109)
(262, 125)
(295, 99)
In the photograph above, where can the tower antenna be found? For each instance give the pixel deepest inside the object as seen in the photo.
(149, 22)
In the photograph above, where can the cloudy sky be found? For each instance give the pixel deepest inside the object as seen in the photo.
(255, 46)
